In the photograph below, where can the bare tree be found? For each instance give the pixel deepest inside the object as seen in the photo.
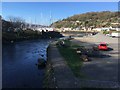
(17, 22)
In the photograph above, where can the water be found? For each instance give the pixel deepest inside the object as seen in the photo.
(19, 64)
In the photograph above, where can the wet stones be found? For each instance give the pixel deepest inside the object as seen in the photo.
(82, 54)
(84, 58)
(41, 63)
(62, 44)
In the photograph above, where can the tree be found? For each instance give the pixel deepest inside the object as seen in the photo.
(17, 22)
(6, 26)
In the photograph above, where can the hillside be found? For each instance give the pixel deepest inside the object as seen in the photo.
(94, 19)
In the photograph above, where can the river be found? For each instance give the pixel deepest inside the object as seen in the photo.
(19, 69)
(19, 64)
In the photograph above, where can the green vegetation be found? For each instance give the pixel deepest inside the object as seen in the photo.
(94, 19)
(106, 32)
(109, 32)
(72, 58)
(28, 35)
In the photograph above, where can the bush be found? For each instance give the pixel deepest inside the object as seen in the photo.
(105, 32)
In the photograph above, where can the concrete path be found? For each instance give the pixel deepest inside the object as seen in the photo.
(63, 74)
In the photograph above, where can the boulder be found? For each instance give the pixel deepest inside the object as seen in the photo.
(41, 62)
(84, 58)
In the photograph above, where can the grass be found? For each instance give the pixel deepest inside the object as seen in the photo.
(72, 58)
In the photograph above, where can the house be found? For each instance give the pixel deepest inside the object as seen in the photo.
(101, 29)
(106, 29)
(67, 29)
(115, 28)
(96, 29)
(44, 29)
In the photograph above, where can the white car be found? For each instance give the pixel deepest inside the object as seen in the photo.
(115, 34)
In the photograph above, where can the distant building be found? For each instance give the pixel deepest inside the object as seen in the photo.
(115, 23)
(77, 21)
(84, 28)
(97, 29)
(67, 29)
(45, 29)
(106, 28)
(115, 28)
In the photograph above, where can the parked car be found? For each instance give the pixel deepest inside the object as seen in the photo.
(102, 46)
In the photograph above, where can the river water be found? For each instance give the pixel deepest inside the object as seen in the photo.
(19, 69)
(19, 64)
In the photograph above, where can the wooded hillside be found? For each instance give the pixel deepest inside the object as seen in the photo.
(95, 19)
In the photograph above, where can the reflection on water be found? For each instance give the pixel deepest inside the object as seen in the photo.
(19, 64)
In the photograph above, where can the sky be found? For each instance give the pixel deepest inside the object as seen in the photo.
(46, 12)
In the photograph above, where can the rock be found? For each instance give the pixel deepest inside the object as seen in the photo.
(41, 62)
(78, 51)
(95, 48)
(84, 58)
(42, 55)
(12, 41)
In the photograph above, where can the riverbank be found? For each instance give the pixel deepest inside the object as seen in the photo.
(94, 71)
(11, 37)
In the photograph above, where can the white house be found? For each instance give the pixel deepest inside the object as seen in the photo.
(67, 29)
(106, 28)
(44, 29)
(115, 28)
(97, 29)
(101, 29)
